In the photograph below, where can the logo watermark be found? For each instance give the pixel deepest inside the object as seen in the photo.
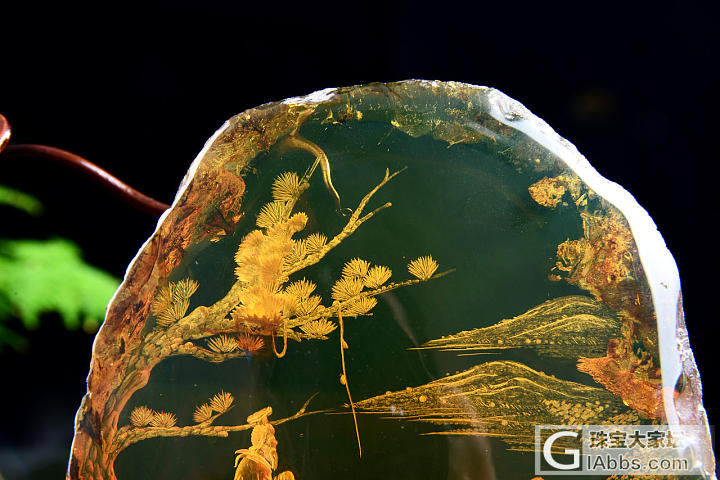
(617, 449)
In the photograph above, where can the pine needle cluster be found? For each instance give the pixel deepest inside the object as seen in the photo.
(222, 344)
(423, 268)
(172, 301)
(202, 413)
(221, 402)
(318, 328)
(249, 343)
(287, 187)
(357, 275)
(163, 419)
(141, 416)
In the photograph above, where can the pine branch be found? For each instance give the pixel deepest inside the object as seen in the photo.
(335, 308)
(353, 223)
(213, 318)
(129, 434)
(203, 320)
(207, 355)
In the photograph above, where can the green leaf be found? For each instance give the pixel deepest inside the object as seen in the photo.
(21, 201)
(39, 276)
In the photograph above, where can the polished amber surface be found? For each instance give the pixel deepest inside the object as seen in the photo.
(387, 281)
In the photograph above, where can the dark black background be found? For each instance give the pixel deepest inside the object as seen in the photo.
(138, 88)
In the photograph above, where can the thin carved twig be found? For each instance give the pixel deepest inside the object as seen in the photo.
(129, 434)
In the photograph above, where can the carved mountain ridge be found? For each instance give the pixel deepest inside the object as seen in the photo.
(566, 327)
(503, 399)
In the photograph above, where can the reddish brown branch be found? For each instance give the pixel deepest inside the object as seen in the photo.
(114, 185)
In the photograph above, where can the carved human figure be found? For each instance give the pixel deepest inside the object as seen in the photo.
(260, 460)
